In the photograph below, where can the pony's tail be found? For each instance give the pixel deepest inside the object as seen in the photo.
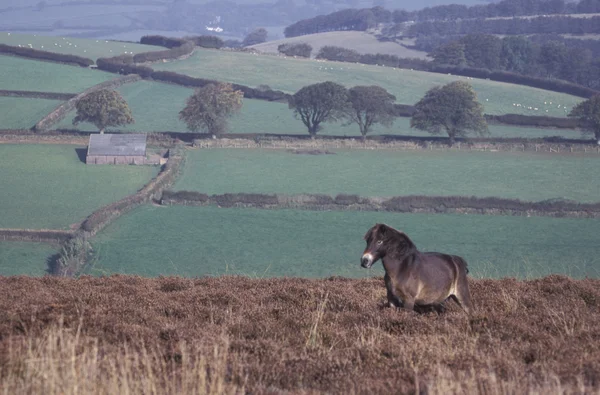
(462, 262)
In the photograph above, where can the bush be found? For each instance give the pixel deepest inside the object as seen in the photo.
(534, 120)
(185, 196)
(519, 79)
(123, 65)
(339, 54)
(347, 200)
(302, 49)
(173, 53)
(207, 41)
(45, 55)
(255, 199)
(181, 79)
(162, 41)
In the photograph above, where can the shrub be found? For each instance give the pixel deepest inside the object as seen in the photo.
(123, 65)
(302, 49)
(185, 196)
(340, 54)
(534, 120)
(162, 41)
(45, 55)
(346, 200)
(173, 53)
(255, 199)
(207, 41)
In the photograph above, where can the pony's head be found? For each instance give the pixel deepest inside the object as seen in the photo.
(381, 240)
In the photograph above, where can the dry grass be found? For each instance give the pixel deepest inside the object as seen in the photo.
(171, 335)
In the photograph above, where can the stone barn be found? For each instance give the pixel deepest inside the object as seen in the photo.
(117, 149)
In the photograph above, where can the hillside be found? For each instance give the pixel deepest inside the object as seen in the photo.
(363, 43)
(125, 334)
(289, 75)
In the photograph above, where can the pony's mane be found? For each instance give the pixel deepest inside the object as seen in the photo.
(391, 234)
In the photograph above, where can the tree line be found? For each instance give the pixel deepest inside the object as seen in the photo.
(452, 109)
(518, 54)
(366, 18)
(563, 24)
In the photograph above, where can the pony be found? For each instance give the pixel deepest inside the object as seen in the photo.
(414, 278)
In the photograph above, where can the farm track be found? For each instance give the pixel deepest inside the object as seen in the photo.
(265, 336)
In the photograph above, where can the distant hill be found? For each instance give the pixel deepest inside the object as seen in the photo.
(361, 42)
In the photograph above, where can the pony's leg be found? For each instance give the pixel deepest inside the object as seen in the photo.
(463, 298)
(409, 304)
(392, 299)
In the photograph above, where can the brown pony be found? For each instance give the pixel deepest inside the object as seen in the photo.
(413, 277)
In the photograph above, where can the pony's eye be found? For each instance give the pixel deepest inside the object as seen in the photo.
(379, 242)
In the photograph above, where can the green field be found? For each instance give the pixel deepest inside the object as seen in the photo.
(23, 113)
(531, 177)
(155, 107)
(409, 86)
(24, 258)
(47, 186)
(87, 48)
(22, 74)
(195, 241)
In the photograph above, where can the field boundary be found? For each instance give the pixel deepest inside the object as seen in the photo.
(304, 145)
(62, 110)
(38, 95)
(313, 146)
(399, 204)
(152, 190)
(36, 235)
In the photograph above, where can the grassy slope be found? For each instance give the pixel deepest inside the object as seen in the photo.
(47, 186)
(32, 75)
(155, 107)
(87, 48)
(361, 42)
(195, 241)
(23, 113)
(390, 173)
(409, 86)
(24, 258)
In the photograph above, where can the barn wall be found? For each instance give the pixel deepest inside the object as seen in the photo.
(118, 160)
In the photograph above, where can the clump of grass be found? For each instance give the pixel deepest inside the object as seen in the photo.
(64, 361)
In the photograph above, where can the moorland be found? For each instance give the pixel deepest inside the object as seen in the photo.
(231, 297)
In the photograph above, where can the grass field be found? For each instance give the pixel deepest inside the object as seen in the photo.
(361, 42)
(409, 86)
(155, 107)
(529, 176)
(32, 75)
(195, 241)
(23, 113)
(87, 48)
(24, 258)
(48, 187)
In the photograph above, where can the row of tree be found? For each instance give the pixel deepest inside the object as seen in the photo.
(366, 18)
(538, 25)
(452, 109)
(518, 54)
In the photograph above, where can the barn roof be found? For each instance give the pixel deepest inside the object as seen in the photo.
(117, 144)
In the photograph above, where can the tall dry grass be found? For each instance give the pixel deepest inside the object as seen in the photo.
(132, 335)
(64, 361)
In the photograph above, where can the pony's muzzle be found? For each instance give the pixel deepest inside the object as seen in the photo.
(366, 261)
